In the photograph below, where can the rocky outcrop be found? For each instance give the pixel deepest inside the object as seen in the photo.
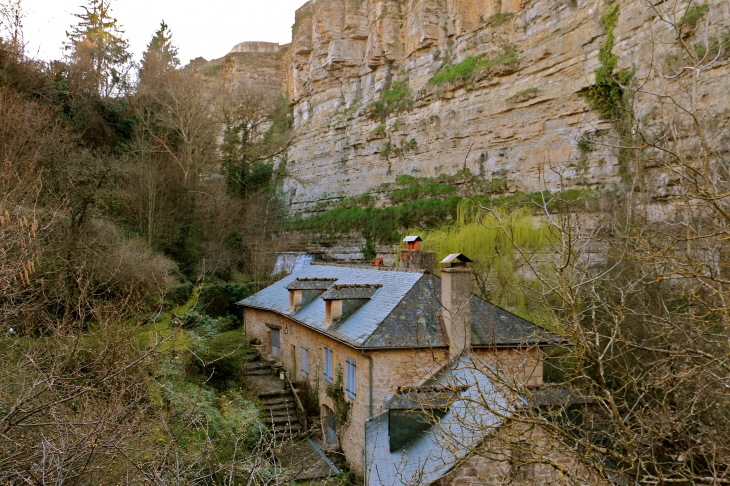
(256, 65)
(374, 98)
(256, 47)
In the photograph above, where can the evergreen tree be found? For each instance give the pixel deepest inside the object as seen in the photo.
(160, 57)
(98, 49)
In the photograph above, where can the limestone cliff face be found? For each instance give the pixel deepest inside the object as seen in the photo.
(256, 47)
(257, 65)
(522, 118)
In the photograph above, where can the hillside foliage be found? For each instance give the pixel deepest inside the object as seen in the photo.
(113, 213)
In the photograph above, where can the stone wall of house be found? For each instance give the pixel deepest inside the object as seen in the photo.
(524, 366)
(391, 368)
(522, 454)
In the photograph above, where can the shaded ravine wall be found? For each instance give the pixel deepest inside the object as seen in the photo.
(520, 121)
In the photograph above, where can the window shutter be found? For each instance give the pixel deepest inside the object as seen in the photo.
(328, 364)
(351, 387)
(305, 362)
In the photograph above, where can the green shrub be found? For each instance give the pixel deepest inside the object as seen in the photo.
(380, 129)
(363, 200)
(386, 151)
(411, 144)
(467, 70)
(198, 413)
(499, 19)
(179, 294)
(369, 252)
(341, 407)
(433, 189)
(409, 193)
(525, 93)
(396, 98)
(457, 72)
(220, 360)
(692, 15)
(606, 96)
(203, 325)
(309, 396)
(211, 70)
(220, 300)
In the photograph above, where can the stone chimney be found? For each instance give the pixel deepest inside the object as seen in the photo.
(455, 298)
(412, 258)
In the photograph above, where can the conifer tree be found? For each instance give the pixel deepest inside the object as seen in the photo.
(160, 57)
(98, 48)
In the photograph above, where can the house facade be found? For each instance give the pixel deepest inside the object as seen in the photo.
(386, 330)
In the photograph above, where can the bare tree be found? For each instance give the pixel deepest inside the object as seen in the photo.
(182, 121)
(638, 285)
(11, 23)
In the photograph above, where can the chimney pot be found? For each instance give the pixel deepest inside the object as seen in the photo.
(413, 242)
(413, 258)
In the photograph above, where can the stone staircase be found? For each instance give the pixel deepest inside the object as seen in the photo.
(279, 410)
(298, 455)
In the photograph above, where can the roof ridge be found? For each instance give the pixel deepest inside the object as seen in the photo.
(367, 266)
(357, 286)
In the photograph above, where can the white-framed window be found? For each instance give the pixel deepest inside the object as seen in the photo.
(350, 378)
(305, 362)
(328, 364)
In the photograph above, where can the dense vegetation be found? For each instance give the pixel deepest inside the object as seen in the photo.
(418, 204)
(123, 250)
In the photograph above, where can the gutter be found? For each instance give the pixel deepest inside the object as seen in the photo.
(370, 382)
(365, 424)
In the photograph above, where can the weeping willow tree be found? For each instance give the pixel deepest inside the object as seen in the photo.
(481, 235)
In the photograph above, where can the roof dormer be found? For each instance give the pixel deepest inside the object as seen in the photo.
(341, 300)
(304, 290)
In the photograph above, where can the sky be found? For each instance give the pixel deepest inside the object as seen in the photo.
(207, 28)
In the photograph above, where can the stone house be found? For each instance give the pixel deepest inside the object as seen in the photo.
(388, 332)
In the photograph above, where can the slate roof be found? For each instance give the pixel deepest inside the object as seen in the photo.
(415, 323)
(304, 283)
(351, 291)
(361, 324)
(423, 397)
(404, 312)
(436, 451)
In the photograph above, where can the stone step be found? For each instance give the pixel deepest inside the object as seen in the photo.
(279, 414)
(263, 396)
(257, 365)
(288, 428)
(277, 407)
(277, 399)
(283, 420)
(259, 371)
